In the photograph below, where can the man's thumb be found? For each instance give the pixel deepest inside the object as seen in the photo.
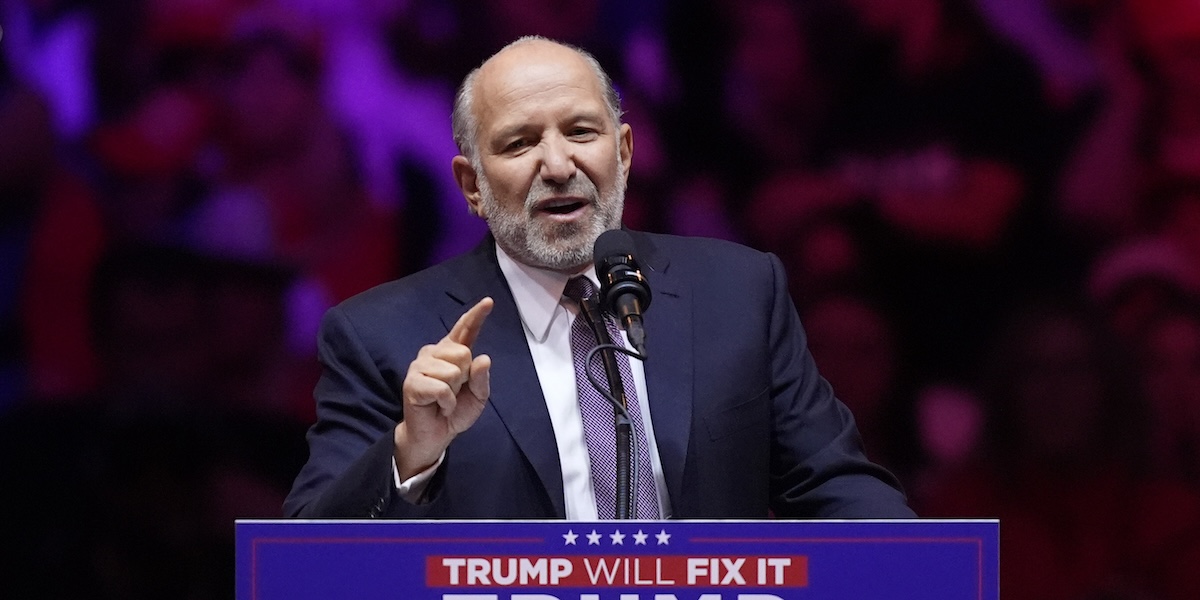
(480, 382)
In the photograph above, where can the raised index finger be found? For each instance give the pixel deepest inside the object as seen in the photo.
(467, 328)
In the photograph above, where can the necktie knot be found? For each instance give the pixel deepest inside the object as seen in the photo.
(579, 288)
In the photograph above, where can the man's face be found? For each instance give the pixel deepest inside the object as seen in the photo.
(549, 175)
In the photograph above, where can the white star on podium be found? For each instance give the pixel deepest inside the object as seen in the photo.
(663, 538)
(570, 537)
(618, 538)
(593, 538)
(639, 538)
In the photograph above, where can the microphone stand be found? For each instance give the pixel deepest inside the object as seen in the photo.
(625, 501)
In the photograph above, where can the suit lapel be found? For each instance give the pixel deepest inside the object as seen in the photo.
(669, 369)
(516, 393)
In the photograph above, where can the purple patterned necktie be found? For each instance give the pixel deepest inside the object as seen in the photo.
(597, 413)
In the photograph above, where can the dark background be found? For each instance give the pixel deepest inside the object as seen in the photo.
(989, 211)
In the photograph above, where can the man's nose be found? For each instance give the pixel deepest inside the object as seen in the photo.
(558, 162)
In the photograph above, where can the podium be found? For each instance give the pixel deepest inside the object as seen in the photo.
(618, 560)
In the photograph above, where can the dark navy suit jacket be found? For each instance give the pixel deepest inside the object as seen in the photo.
(744, 423)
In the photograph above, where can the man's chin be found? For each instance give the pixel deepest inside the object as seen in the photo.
(564, 247)
(563, 255)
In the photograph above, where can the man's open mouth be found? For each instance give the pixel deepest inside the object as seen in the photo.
(565, 206)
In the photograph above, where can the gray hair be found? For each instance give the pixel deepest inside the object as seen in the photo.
(466, 125)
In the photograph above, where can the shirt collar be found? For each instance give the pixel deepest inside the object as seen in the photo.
(537, 292)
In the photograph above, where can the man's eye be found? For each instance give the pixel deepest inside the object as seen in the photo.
(582, 132)
(515, 145)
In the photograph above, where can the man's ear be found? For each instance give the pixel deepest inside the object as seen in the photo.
(468, 182)
(625, 147)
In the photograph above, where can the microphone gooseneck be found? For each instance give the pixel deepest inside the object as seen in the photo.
(626, 493)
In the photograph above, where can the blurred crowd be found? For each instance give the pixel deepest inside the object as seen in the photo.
(989, 211)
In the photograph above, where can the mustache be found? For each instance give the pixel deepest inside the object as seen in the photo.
(580, 185)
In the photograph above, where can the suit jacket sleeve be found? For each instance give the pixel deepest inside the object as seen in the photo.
(349, 471)
(818, 468)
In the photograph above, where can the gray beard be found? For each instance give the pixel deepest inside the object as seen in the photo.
(564, 247)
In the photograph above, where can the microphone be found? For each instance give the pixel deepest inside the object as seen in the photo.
(623, 290)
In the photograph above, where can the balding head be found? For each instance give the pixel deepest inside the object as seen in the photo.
(465, 120)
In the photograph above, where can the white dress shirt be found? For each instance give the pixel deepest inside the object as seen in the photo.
(547, 316)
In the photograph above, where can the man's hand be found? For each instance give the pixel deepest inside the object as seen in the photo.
(444, 393)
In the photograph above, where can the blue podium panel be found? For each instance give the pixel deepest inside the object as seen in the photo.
(618, 560)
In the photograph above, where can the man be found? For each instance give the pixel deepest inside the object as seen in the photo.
(485, 421)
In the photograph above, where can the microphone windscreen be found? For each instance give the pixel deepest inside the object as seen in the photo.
(615, 242)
